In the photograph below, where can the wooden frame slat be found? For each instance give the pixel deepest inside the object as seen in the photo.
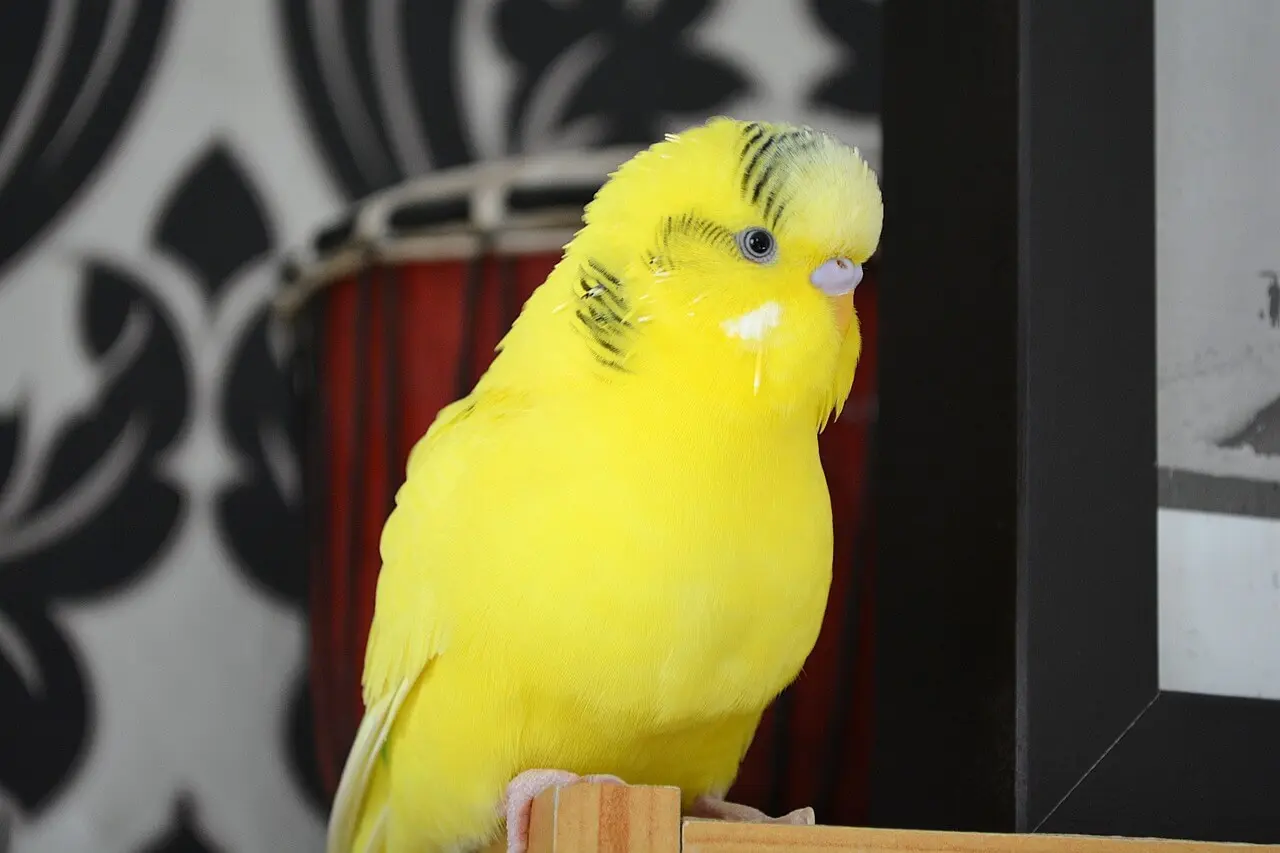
(603, 818)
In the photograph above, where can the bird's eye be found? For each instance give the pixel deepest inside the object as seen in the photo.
(757, 244)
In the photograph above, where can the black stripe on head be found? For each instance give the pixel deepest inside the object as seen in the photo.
(754, 133)
(749, 171)
(788, 145)
(773, 209)
(768, 171)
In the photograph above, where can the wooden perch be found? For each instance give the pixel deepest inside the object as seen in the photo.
(593, 818)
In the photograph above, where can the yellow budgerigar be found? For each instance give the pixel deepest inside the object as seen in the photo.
(614, 552)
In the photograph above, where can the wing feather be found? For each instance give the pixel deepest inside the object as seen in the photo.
(405, 636)
(348, 803)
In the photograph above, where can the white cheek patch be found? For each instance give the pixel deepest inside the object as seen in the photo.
(754, 325)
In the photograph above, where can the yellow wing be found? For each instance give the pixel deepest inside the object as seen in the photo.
(405, 636)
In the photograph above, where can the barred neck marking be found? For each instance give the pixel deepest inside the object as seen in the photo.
(603, 314)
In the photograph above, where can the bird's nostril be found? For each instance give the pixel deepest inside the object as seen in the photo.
(842, 263)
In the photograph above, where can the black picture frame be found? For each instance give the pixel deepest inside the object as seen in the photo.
(1015, 479)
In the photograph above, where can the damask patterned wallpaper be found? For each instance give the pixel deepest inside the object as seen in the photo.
(155, 159)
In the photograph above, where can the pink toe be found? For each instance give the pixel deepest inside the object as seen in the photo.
(521, 793)
(603, 779)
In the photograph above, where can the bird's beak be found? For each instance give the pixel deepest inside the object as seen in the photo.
(838, 278)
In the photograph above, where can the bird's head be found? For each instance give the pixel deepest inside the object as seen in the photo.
(722, 262)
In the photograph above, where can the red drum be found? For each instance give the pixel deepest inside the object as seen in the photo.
(395, 311)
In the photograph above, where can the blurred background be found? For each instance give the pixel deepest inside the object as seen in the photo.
(157, 160)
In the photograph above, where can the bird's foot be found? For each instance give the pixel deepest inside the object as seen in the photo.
(522, 791)
(716, 808)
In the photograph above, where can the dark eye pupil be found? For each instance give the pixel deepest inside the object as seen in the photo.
(759, 242)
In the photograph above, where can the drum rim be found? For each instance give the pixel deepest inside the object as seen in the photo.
(490, 224)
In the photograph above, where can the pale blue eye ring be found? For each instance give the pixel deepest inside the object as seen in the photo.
(757, 245)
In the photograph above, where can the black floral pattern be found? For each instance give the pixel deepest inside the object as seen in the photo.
(303, 761)
(260, 515)
(384, 104)
(636, 65)
(183, 834)
(8, 446)
(59, 124)
(214, 222)
(856, 86)
(85, 520)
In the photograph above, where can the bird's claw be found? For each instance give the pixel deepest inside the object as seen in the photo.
(716, 808)
(524, 789)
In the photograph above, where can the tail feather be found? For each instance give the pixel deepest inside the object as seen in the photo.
(376, 842)
(357, 804)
